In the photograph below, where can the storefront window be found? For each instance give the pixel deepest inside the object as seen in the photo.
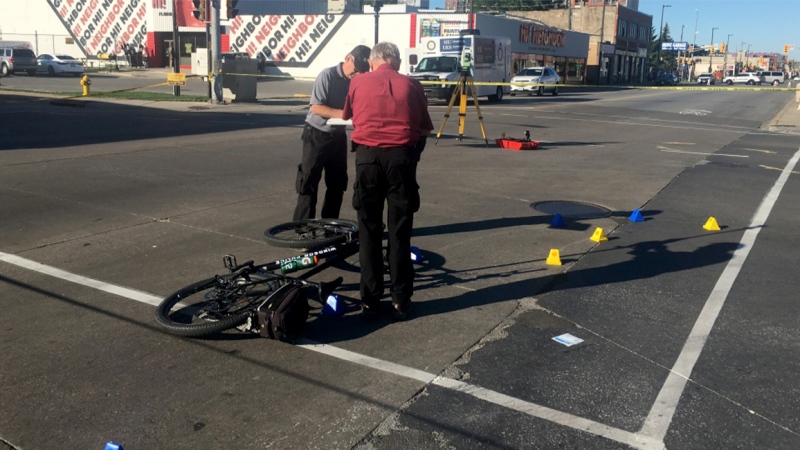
(570, 70)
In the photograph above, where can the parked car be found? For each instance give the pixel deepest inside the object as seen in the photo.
(744, 78)
(16, 57)
(59, 64)
(706, 78)
(667, 79)
(532, 79)
(773, 78)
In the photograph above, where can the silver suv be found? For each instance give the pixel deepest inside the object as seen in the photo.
(773, 78)
(706, 78)
(15, 59)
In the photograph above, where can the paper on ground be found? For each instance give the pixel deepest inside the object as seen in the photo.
(568, 339)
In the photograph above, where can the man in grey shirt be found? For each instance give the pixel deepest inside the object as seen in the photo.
(325, 146)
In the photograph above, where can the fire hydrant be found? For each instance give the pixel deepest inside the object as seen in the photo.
(86, 82)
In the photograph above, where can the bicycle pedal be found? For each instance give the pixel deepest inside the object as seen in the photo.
(229, 261)
(247, 326)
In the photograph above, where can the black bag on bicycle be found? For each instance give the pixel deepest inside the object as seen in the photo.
(284, 313)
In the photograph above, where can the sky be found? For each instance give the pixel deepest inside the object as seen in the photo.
(763, 25)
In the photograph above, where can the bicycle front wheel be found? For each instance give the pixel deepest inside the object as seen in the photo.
(312, 233)
(211, 306)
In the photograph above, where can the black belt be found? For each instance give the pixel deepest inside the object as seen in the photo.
(326, 133)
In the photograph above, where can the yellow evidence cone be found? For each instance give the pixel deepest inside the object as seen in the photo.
(599, 235)
(554, 259)
(711, 225)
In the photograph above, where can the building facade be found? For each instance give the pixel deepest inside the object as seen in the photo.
(297, 44)
(619, 37)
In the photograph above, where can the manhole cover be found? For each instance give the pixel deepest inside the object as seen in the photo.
(572, 210)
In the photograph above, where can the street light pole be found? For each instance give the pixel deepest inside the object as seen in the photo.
(747, 61)
(694, 41)
(725, 64)
(741, 48)
(661, 37)
(709, 50)
(377, 5)
(680, 55)
(600, 44)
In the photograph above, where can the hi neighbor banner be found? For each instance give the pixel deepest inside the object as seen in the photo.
(289, 40)
(101, 26)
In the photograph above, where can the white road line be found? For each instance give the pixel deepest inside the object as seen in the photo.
(528, 408)
(663, 410)
(668, 150)
(132, 294)
(488, 395)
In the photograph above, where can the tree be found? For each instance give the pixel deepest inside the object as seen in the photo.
(516, 5)
(668, 56)
(654, 46)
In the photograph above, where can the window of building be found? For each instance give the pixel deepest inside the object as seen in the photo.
(623, 28)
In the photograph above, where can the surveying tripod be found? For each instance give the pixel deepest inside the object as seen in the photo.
(460, 90)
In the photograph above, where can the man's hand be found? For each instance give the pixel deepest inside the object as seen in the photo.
(326, 111)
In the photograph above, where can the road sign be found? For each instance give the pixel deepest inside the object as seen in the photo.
(675, 46)
(176, 79)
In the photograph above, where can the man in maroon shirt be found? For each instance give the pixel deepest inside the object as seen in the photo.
(390, 121)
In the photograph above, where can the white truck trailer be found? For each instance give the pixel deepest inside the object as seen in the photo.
(441, 57)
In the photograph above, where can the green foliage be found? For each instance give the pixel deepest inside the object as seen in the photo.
(668, 57)
(516, 5)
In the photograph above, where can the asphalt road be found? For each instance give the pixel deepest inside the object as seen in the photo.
(689, 337)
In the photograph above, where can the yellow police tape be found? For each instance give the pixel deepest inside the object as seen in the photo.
(613, 86)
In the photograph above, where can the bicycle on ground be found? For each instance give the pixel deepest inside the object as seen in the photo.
(232, 300)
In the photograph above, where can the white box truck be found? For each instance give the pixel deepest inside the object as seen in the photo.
(441, 57)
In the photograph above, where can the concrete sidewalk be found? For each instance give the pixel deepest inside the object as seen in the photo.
(788, 120)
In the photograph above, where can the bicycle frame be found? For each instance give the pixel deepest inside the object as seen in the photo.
(259, 273)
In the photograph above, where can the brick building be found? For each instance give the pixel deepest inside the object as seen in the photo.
(619, 36)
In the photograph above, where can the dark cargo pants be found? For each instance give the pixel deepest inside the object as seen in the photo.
(386, 175)
(321, 151)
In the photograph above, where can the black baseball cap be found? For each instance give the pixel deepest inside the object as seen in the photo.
(360, 56)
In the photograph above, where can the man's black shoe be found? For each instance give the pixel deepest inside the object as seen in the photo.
(400, 310)
(370, 311)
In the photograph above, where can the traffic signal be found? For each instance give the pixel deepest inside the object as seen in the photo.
(199, 9)
(691, 49)
(723, 47)
(785, 49)
(230, 8)
(712, 49)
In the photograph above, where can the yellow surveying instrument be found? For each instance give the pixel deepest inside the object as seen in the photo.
(460, 90)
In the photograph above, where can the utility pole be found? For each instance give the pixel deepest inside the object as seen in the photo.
(709, 49)
(176, 63)
(680, 55)
(738, 55)
(215, 50)
(661, 37)
(600, 46)
(725, 64)
(570, 2)
(694, 42)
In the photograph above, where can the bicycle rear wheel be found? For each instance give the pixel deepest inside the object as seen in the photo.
(211, 306)
(312, 233)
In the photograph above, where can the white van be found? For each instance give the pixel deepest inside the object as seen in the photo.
(773, 78)
(489, 57)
